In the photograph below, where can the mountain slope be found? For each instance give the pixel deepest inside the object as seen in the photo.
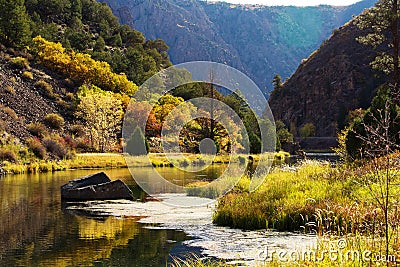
(260, 41)
(332, 81)
(188, 30)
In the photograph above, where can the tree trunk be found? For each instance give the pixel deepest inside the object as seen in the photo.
(395, 43)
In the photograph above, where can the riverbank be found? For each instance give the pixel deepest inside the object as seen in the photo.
(357, 203)
(80, 161)
(312, 196)
(117, 160)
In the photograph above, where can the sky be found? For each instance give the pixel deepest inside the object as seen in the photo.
(294, 2)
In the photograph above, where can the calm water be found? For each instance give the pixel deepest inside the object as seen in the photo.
(37, 230)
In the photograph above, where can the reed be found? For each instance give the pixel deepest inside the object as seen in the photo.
(312, 197)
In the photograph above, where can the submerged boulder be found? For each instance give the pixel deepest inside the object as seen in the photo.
(95, 187)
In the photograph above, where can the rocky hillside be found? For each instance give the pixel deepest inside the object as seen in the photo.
(335, 79)
(23, 101)
(260, 41)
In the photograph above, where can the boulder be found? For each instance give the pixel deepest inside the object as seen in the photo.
(95, 187)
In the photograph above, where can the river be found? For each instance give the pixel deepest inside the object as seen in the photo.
(36, 229)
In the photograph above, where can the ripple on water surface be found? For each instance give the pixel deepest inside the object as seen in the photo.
(212, 240)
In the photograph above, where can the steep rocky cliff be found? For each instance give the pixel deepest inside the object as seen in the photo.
(335, 79)
(260, 41)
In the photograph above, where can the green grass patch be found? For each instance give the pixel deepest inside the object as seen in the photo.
(33, 167)
(96, 161)
(313, 197)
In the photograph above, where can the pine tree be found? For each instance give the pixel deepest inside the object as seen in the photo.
(277, 82)
(382, 23)
(137, 144)
(14, 24)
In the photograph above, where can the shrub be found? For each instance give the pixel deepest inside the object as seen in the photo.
(83, 145)
(308, 130)
(37, 129)
(78, 130)
(68, 141)
(55, 148)
(8, 155)
(20, 63)
(45, 87)
(3, 126)
(54, 121)
(10, 112)
(9, 89)
(27, 75)
(36, 147)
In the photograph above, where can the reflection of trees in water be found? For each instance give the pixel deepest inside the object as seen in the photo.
(34, 231)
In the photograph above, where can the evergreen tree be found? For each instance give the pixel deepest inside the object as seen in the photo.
(100, 45)
(137, 144)
(14, 24)
(357, 138)
(277, 82)
(76, 8)
(382, 22)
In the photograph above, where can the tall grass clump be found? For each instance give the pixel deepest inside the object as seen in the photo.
(54, 121)
(28, 75)
(37, 129)
(285, 201)
(193, 260)
(19, 63)
(45, 87)
(314, 197)
(10, 112)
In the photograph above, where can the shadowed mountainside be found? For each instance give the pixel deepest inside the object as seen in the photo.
(335, 79)
(260, 41)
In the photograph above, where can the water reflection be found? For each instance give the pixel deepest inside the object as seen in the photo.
(37, 230)
(34, 231)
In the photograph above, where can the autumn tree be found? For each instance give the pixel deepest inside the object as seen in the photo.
(102, 113)
(141, 113)
(81, 67)
(165, 105)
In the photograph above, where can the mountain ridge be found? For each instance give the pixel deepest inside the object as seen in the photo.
(258, 40)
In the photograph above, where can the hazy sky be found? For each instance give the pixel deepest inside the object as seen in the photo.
(294, 2)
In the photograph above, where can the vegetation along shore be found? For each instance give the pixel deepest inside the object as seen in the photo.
(69, 72)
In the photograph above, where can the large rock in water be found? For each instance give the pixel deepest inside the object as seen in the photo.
(95, 187)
